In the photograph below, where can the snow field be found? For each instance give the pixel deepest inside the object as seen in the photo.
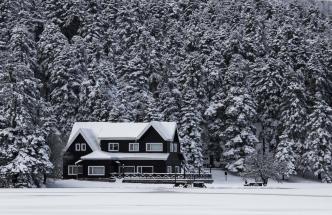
(85, 197)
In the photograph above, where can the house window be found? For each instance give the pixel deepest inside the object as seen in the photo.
(79, 169)
(154, 147)
(177, 169)
(74, 170)
(145, 169)
(126, 169)
(133, 147)
(169, 169)
(71, 170)
(96, 170)
(78, 147)
(83, 147)
(113, 147)
(174, 147)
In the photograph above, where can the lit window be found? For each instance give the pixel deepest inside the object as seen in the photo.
(78, 147)
(113, 147)
(133, 147)
(154, 147)
(83, 147)
(96, 170)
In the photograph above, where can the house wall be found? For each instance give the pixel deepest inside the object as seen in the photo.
(113, 167)
(71, 155)
(106, 163)
(150, 136)
(174, 159)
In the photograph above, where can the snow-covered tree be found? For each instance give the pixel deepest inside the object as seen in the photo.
(262, 167)
(318, 146)
(240, 112)
(24, 155)
(190, 131)
(285, 154)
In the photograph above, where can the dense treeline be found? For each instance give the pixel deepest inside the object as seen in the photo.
(233, 74)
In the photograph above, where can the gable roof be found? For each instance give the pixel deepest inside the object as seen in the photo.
(94, 131)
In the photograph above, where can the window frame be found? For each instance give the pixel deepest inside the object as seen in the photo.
(141, 167)
(177, 169)
(169, 169)
(175, 147)
(73, 170)
(79, 167)
(94, 174)
(133, 144)
(83, 144)
(78, 147)
(122, 167)
(150, 150)
(109, 149)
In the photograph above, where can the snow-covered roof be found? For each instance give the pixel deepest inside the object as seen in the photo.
(94, 131)
(101, 155)
(87, 134)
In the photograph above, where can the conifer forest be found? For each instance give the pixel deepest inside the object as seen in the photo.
(236, 75)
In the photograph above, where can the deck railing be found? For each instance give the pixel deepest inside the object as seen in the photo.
(163, 175)
(169, 178)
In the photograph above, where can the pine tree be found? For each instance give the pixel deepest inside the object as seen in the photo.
(68, 72)
(24, 153)
(286, 155)
(190, 131)
(240, 112)
(318, 146)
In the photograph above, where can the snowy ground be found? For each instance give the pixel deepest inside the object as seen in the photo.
(77, 197)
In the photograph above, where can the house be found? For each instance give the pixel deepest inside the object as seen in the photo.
(99, 149)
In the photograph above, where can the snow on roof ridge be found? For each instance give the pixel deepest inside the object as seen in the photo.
(87, 134)
(94, 131)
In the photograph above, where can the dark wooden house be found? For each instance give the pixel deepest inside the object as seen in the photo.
(99, 149)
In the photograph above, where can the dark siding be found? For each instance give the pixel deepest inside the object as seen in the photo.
(176, 140)
(71, 155)
(150, 136)
(112, 166)
(106, 163)
(123, 145)
(174, 159)
(158, 166)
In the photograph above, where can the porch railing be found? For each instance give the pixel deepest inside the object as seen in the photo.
(169, 178)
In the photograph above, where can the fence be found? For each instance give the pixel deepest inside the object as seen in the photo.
(163, 178)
